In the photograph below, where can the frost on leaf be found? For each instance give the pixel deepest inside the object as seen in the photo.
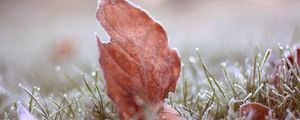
(254, 111)
(139, 68)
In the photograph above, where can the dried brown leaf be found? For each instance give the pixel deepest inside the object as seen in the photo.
(139, 68)
(254, 111)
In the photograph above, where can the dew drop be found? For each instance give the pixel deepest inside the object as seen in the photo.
(93, 74)
(57, 68)
(223, 64)
(12, 108)
(192, 59)
(65, 95)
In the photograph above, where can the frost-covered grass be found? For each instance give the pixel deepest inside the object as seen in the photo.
(200, 94)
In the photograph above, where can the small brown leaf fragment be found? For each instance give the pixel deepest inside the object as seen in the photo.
(139, 68)
(254, 111)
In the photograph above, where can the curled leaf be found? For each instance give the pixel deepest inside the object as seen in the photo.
(254, 111)
(139, 68)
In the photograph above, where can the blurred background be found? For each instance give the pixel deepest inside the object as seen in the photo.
(40, 37)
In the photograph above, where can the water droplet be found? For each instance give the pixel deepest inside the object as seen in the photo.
(12, 108)
(223, 64)
(57, 68)
(192, 59)
(65, 95)
(93, 74)
(287, 47)
(188, 102)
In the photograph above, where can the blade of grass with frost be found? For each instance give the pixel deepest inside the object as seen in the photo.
(296, 66)
(43, 98)
(79, 108)
(259, 67)
(205, 69)
(209, 103)
(257, 91)
(59, 105)
(210, 77)
(199, 110)
(96, 78)
(101, 101)
(179, 110)
(288, 62)
(259, 56)
(215, 99)
(196, 101)
(228, 80)
(250, 85)
(63, 107)
(185, 94)
(259, 75)
(247, 97)
(71, 80)
(219, 87)
(191, 112)
(23, 113)
(171, 101)
(99, 110)
(38, 103)
(242, 89)
(265, 59)
(31, 102)
(88, 86)
(70, 112)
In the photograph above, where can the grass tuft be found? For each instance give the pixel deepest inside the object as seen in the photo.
(200, 93)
